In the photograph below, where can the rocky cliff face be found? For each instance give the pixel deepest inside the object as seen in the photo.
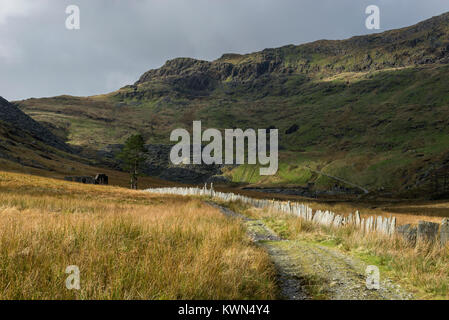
(424, 43)
(14, 117)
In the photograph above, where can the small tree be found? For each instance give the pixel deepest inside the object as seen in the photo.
(132, 156)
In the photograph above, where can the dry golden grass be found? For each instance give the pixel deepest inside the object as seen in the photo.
(64, 167)
(127, 244)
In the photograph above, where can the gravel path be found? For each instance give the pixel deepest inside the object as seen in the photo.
(310, 271)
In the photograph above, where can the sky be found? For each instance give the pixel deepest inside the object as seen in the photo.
(119, 40)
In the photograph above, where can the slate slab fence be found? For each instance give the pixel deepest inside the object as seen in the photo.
(425, 231)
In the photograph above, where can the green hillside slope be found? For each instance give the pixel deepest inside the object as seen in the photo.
(373, 110)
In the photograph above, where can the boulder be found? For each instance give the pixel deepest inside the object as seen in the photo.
(292, 129)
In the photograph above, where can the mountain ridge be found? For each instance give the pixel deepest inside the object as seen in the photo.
(372, 110)
(279, 60)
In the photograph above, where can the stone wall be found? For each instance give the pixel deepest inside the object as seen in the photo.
(98, 179)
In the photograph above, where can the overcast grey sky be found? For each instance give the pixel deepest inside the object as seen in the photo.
(121, 39)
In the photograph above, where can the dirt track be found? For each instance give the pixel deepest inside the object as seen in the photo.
(310, 271)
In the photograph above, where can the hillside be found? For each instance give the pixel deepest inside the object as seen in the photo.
(25, 142)
(28, 147)
(372, 109)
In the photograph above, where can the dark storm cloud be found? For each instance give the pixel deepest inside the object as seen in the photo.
(121, 39)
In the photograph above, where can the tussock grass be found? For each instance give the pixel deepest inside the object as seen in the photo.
(127, 244)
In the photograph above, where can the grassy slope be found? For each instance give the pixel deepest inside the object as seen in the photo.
(369, 110)
(369, 131)
(26, 155)
(127, 244)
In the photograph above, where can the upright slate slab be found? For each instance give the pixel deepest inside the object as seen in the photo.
(408, 233)
(444, 232)
(427, 231)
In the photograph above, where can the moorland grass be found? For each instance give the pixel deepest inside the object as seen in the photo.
(127, 245)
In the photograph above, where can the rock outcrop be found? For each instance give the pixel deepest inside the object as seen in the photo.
(424, 43)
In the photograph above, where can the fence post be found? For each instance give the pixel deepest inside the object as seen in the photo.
(444, 232)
